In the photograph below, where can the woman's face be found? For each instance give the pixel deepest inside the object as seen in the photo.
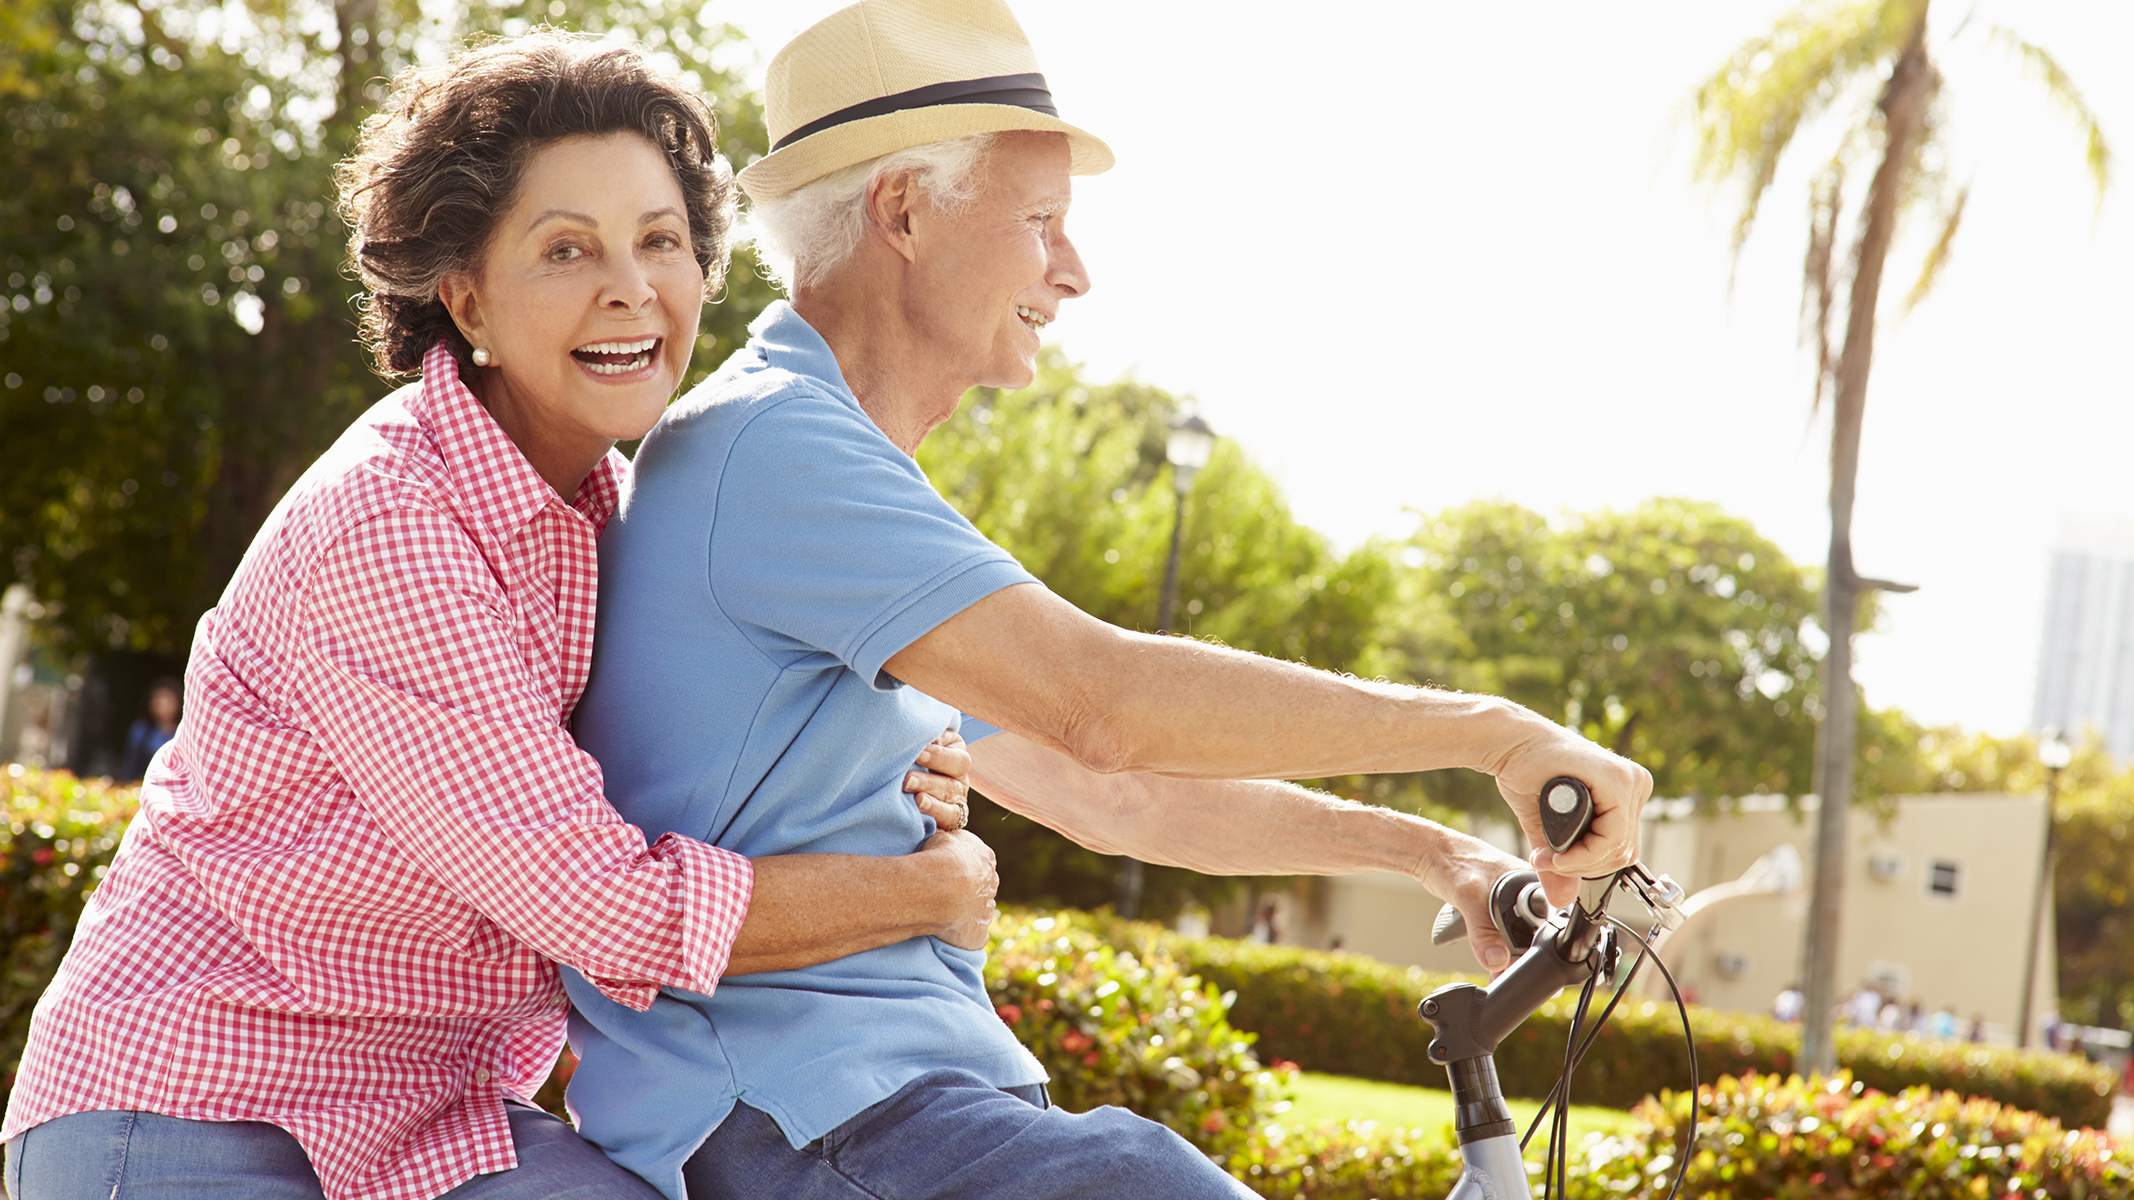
(586, 301)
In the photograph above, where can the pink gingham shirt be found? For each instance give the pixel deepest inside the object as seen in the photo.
(353, 871)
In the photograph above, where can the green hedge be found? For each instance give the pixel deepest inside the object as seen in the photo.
(57, 834)
(1760, 1137)
(1350, 1015)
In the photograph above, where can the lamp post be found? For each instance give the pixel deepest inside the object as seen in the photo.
(2054, 754)
(1187, 448)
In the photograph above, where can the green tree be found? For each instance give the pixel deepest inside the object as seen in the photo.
(1672, 633)
(176, 335)
(1869, 60)
(2093, 886)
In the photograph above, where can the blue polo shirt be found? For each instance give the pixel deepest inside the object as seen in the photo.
(773, 551)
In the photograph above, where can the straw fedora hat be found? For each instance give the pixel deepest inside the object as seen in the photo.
(887, 75)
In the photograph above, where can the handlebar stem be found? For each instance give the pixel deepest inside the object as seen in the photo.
(1470, 1021)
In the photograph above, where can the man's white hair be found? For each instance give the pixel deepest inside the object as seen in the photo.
(812, 230)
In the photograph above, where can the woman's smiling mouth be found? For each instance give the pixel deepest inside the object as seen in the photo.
(618, 358)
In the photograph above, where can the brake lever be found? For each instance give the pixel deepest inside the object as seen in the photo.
(1659, 893)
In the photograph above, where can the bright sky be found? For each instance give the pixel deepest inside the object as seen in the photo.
(1411, 254)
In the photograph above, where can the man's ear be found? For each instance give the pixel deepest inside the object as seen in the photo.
(890, 203)
(456, 291)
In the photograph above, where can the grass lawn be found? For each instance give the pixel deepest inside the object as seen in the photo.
(1338, 1098)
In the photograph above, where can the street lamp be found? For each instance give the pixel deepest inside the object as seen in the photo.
(2054, 754)
(1187, 447)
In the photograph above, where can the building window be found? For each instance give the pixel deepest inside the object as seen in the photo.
(1945, 879)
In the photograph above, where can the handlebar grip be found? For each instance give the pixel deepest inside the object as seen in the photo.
(1566, 811)
(1450, 927)
(1516, 906)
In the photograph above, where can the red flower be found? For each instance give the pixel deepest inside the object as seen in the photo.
(1011, 1013)
(1075, 1041)
(1089, 1059)
(41, 855)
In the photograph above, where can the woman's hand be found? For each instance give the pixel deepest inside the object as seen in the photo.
(964, 868)
(942, 784)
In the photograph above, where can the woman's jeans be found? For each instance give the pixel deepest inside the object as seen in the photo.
(949, 1135)
(146, 1156)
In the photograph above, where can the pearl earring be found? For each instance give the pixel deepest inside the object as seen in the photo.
(481, 356)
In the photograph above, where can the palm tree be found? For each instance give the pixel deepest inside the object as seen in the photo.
(1869, 61)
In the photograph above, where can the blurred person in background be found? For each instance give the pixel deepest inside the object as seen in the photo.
(153, 730)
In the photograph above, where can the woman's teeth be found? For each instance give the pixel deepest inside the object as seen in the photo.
(1032, 318)
(616, 358)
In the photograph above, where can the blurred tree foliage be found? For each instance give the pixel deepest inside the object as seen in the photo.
(1672, 633)
(2093, 883)
(176, 336)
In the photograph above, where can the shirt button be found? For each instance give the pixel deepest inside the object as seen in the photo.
(481, 1074)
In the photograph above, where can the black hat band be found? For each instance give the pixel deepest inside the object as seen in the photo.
(1019, 91)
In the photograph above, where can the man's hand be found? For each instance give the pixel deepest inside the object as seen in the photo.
(1620, 789)
(964, 868)
(1461, 873)
(941, 785)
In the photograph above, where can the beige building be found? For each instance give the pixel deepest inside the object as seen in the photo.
(1938, 900)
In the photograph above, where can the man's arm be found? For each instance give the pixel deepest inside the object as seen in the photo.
(1247, 827)
(1116, 701)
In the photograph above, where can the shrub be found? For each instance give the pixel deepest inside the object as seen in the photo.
(57, 836)
(1113, 1027)
(1350, 1015)
(1760, 1137)
(1767, 1138)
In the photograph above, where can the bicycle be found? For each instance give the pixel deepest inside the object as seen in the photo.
(1561, 948)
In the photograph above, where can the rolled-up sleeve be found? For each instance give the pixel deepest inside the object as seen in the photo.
(422, 682)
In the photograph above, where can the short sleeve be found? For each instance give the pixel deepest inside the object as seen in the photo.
(827, 538)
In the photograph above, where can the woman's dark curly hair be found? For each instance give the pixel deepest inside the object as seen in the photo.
(437, 167)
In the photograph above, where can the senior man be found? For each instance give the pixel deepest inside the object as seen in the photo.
(790, 612)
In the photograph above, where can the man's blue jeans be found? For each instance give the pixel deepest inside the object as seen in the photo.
(147, 1156)
(948, 1134)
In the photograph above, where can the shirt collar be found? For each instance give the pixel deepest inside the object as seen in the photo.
(501, 490)
(791, 344)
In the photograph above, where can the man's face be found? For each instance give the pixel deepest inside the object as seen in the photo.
(993, 275)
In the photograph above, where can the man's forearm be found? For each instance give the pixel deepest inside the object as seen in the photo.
(811, 908)
(1117, 701)
(1248, 827)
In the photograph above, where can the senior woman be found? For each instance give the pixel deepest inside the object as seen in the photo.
(323, 961)
(791, 610)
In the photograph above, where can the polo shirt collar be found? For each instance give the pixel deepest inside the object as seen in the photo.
(791, 344)
(500, 489)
